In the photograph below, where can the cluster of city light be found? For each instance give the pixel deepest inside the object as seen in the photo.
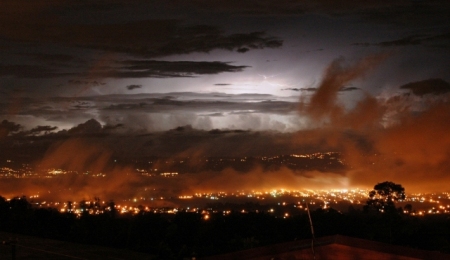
(357, 196)
(27, 172)
(285, 199)
(316, 155)
(24, 170)
(169, 174)
(152, 173)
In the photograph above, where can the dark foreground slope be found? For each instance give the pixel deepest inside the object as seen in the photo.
(36, 248)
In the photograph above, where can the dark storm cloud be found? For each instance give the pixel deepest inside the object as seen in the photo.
(158, 111)
(243, 49)
(85, 82)
(43, 15)
(442, 40)
(404, 12)
(250, 7)
(108, 128)
(49, 30)
(159, 105)
(7, 127)
(348, 88)
(155, 68)
(429, 86)
(437, 40)
(78, 105)
(301, 89)
(218, 131)
(30, 71)
(150, 38)
(52, 58)
(181, 140)
(131, 87)
(91, 126)
(39, 129)
(371, 8)
(222, 84)
(315, 89)
(86, 129)
(410, 40)
(124, 69)
(214, 114)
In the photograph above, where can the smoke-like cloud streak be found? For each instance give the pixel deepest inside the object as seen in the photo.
(323, 104)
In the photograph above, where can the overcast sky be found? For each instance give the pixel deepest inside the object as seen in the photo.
(369, 79)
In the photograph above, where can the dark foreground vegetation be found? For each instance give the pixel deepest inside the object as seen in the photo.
(182, 235)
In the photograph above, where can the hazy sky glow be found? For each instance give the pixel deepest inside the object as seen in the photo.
(369, 80)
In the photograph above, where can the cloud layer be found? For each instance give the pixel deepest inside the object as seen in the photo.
(401, 138)
(85, 83)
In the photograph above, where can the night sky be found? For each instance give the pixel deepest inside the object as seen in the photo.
(368, 79)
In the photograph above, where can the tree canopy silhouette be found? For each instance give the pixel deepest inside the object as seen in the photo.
(384, 196)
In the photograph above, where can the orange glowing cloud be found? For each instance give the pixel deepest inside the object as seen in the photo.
(77, 154)
(323, 104)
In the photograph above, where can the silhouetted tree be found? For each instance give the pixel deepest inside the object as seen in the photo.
(384, 195)
(408, 208)
(112, 208)
(383, 198)
(97, 203)
(4, 206)
(69, 206)
(84, 206)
